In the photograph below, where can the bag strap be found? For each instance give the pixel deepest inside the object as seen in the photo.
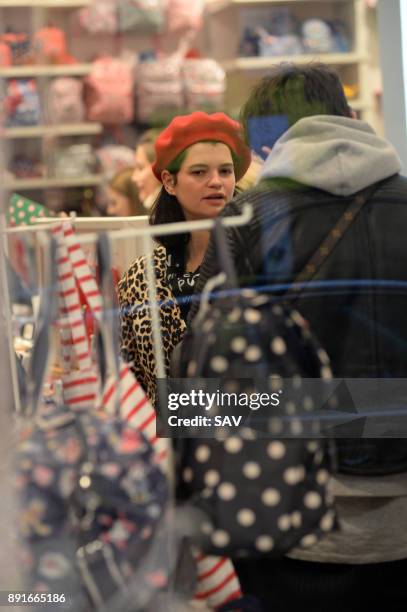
(108, 340)
(47, 316)
(331, 240)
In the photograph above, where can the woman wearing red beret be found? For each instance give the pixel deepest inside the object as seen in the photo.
(199, 159)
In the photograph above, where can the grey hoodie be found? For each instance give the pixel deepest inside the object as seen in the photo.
(335, 154)
(342, 156)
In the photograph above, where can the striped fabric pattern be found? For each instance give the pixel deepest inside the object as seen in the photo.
(217, 580)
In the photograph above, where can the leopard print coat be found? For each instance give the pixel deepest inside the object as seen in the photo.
(136, 333)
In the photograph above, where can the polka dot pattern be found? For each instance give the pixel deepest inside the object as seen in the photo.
(251, 469)
(276, 450)
(262, 492)
(219, 364)
(202, 453)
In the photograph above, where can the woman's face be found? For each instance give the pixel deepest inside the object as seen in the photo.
(143, 175)
(118, 205)
(205, 181)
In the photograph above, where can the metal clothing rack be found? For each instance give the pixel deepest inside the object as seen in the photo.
(147, 235)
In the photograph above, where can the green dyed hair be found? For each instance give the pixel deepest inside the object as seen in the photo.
(296, 91)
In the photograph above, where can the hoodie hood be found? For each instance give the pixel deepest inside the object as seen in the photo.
(336, 154)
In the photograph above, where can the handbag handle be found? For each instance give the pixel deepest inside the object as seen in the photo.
(108, 341)
(227, 277)
(47, 316)
(223, 255)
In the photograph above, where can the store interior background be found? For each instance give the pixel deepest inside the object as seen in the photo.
(375, 67)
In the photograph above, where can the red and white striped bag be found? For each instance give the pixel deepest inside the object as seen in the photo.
(217, 580)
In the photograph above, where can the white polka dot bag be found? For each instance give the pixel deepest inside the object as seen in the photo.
(262, 490)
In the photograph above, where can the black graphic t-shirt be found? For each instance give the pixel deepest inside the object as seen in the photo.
(181, 282)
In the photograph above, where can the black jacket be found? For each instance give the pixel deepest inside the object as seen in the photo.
(357, 302)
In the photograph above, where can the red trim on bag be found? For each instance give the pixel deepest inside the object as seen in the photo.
(136, 408)
(82, 398)
(236, 595)
(162, 455)
(108, 394)
(218, 588)
(83, 381)
(77, 323)
(64, 294)
(81, 262)
(64, 277)
(147, 422)
(72, 308)
(74, 247)
(76, 341)
(213, 570)
(83, 279)
(133, 387)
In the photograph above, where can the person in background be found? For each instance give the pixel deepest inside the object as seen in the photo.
(147, 183)
(122, 196)
(321, 160)
(199, 158)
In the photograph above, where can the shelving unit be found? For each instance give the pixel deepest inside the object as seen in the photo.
(226, 20)
(52, 183)
(38, 13)
(33, 71)
(262, 63)
(63, 4)
(43, 131)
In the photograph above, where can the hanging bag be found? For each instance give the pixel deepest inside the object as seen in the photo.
(91, 494)
(259, 492)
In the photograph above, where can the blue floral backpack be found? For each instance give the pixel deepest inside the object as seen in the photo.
(263, 488)
(92, 500)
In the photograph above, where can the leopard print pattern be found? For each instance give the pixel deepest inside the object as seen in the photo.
(136, 340)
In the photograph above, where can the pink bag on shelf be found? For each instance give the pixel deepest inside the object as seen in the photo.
(64, 102)
(100, 17)
(109, 91)
(184, 14)
(6, 57)
(160, 90)
(205, 85)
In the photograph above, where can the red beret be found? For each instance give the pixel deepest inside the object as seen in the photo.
(186, 130)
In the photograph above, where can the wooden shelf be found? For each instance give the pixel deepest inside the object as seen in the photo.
(52, 183)
(40, 131)
(44, 3)
(262, 63)
(16, 72)
(215, 6)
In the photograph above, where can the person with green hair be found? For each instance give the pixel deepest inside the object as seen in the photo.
(327, 237)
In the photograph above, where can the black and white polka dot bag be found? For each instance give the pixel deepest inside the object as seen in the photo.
(259, 492)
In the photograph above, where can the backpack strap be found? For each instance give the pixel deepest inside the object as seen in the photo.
(331, 240)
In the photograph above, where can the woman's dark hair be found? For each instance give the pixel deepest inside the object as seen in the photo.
(167, 209)
(296, 91)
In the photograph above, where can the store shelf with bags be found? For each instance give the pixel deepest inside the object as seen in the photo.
(248, 37)
(44, 3)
